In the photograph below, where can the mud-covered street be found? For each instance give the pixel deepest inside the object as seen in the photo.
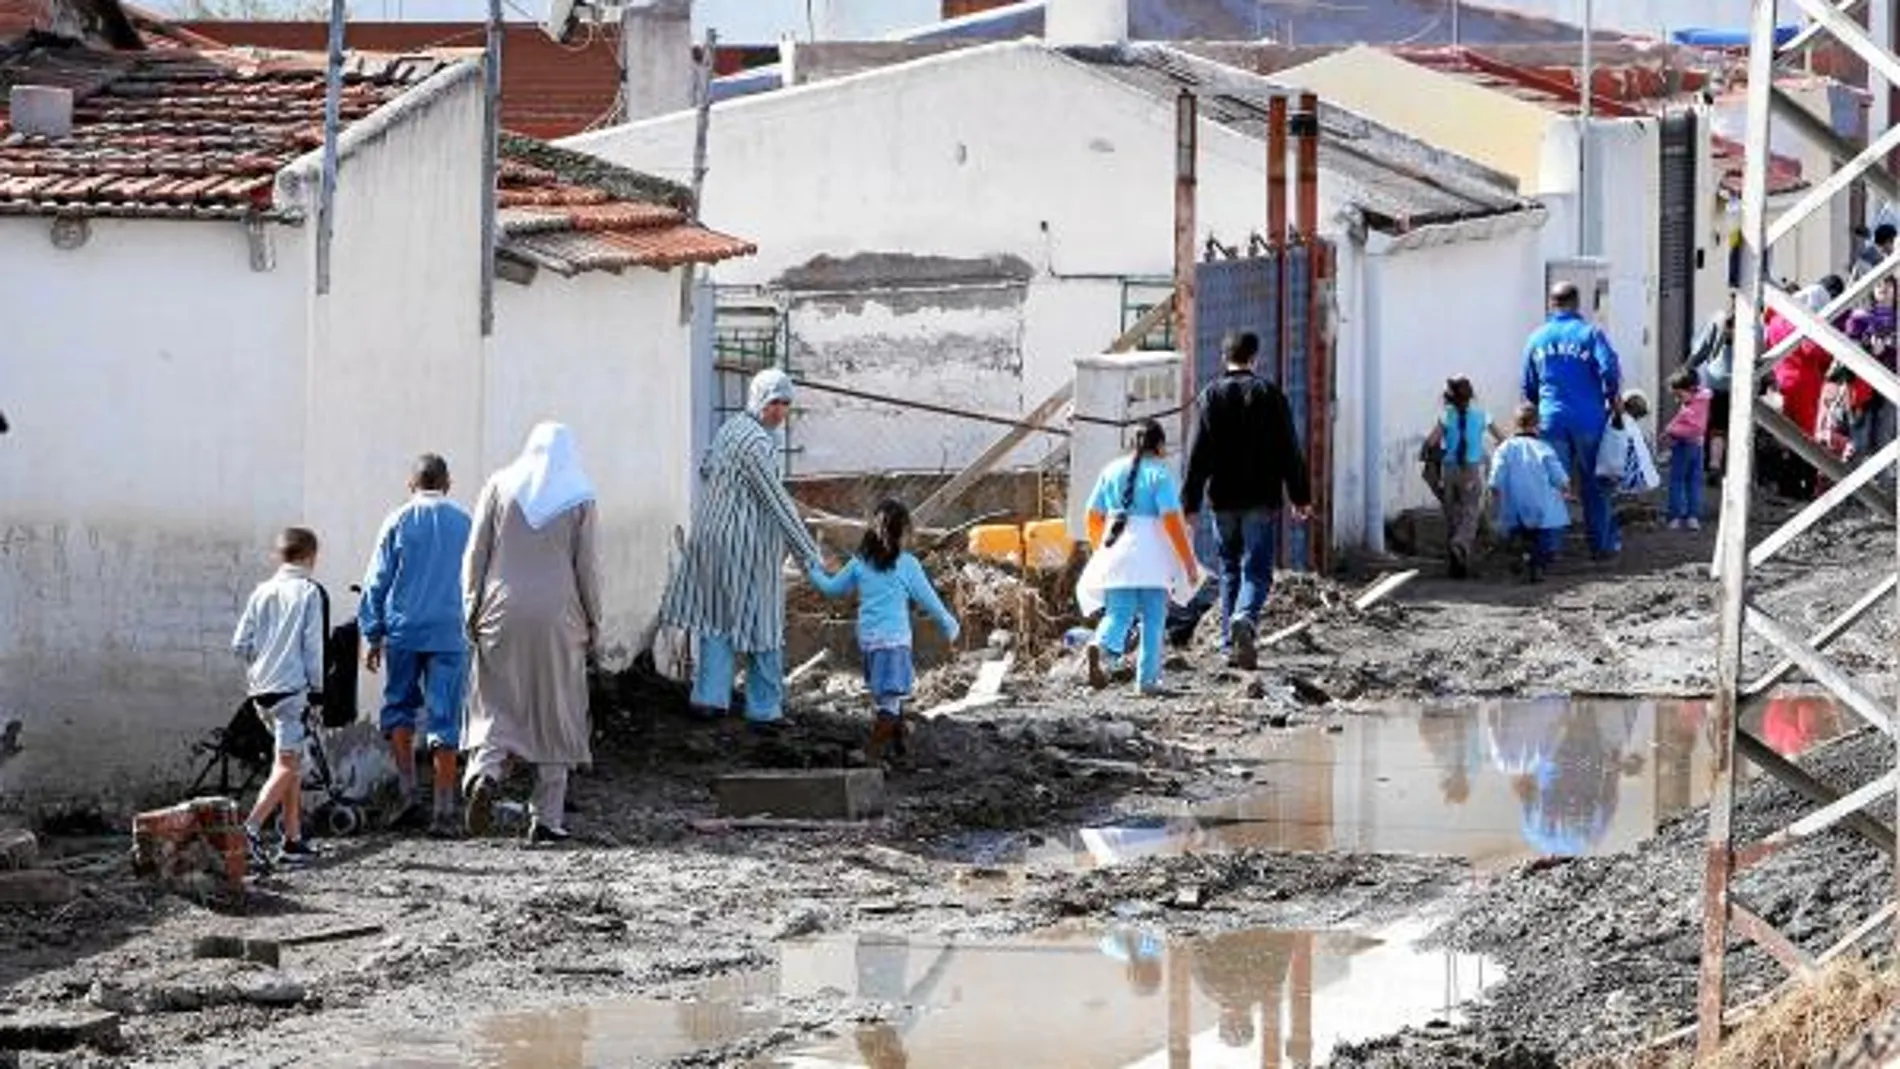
(1307, 861)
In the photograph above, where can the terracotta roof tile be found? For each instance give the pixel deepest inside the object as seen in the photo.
(547, 90)
(1627, 91)
(175, 132)
(569, 212)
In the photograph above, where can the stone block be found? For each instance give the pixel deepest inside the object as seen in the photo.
(261, 951)
(803, 794)
(37, 887)
(18, 849)
(56, 1030)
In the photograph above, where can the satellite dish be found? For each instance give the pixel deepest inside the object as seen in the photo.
(558, 23)
(564, 15)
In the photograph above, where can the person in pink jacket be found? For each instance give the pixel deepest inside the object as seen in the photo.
(1685, 435)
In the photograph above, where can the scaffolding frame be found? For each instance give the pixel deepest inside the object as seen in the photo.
(1724, 913)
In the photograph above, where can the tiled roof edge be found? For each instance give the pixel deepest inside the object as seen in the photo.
(298, 181)
(582, 169)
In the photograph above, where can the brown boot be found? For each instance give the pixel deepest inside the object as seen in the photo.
(1098, 672)
(883, 733)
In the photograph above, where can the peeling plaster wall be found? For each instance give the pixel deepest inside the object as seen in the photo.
(881, 322)
(156, 448)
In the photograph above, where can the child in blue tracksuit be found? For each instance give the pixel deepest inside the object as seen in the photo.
(1529, 479)
(888, 581)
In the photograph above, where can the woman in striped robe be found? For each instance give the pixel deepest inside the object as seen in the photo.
(730, 588)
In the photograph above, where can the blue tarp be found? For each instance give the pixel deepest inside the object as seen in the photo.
(1712, 37)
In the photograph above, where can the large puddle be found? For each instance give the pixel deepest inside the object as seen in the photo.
(1123, 999)
(1496, 783)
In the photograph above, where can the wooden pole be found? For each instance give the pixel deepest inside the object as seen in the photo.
(491, 162)
(1186, 149)
(1318, 425)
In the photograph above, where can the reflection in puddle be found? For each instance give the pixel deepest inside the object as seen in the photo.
(630, 1032)
(1125, 999)
(1496, 784)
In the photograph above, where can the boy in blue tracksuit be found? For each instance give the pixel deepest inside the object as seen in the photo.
(411, 616)
(1573, 376)
(1528, 480)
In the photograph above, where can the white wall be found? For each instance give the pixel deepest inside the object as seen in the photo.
(156, 388)
(608, 356)
(1422, 339)
(160, 442)
(1627, 161)
(939, 161)
(1622, 227)
(395, 347)
(939, 158)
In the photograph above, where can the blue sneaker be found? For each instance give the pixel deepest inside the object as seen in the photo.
(254, 849)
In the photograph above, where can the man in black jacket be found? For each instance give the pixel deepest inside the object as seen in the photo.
(1245, 462)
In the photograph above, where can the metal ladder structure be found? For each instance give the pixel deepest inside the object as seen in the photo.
(1724, 912)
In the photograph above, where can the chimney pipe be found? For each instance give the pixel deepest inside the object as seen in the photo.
(1305, 125)
(1085, 22)
(1276, 172)
(656, 57)
(41, 111)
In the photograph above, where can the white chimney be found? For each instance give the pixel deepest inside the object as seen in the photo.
(41, 111)
(656, 52)
(1085, 22)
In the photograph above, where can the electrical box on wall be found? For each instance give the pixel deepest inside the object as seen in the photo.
(1591, 275)
(1113, 393)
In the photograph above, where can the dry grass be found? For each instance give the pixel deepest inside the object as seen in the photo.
(1803, 1028)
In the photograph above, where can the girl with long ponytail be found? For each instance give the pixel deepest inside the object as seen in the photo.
(1142, 557)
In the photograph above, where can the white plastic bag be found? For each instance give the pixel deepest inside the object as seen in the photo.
(1624, 458)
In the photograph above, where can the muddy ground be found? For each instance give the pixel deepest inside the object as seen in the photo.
(652, 901)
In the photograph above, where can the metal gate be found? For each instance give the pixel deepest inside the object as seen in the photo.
(1271, 295)
(1677, 239)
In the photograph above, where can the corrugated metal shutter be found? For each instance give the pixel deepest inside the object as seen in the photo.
(1676, 222)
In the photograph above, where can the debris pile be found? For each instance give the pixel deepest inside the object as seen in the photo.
(196, 848)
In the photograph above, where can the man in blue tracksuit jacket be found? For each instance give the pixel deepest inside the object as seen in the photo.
(1574, 377)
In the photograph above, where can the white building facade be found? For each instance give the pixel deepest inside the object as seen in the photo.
(180, 391)
(956, 230)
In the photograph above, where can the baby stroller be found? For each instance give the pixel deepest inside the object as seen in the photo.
(237, 756)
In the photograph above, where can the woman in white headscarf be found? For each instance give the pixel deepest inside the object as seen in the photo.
(730, 588)
(531, 595)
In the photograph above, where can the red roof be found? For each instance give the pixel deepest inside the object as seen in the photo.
(1616, 91)
(547, 90)
(569, 212)
(175, 133)
(202, 135)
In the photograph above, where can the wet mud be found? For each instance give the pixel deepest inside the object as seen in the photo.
(1384, 777)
